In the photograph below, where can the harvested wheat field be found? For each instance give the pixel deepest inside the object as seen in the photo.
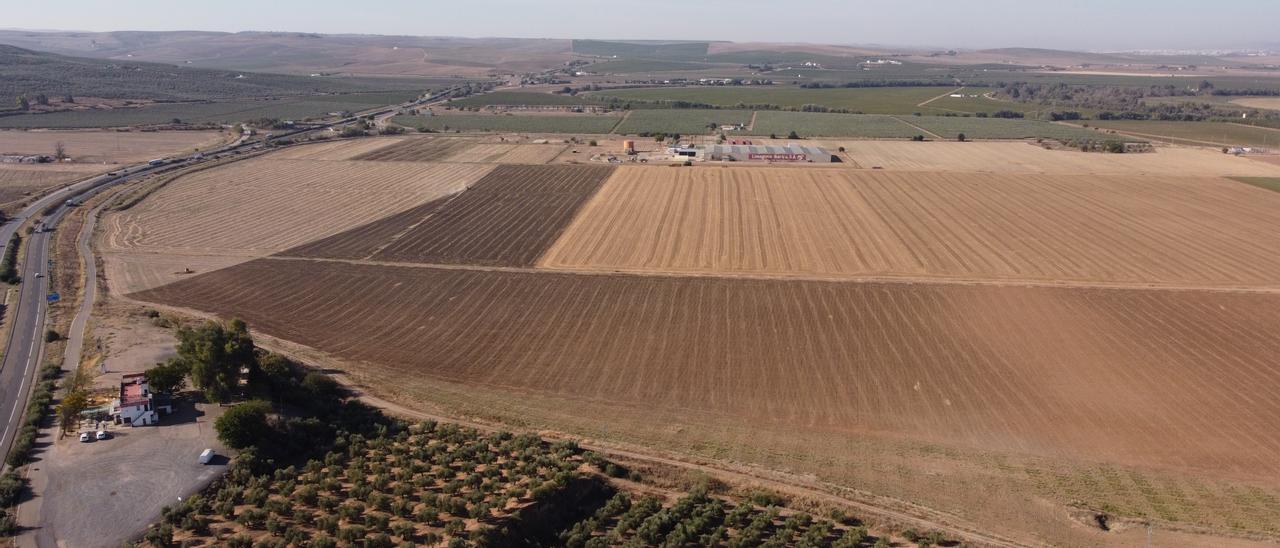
(508, 218)
(418, 149)
(849, 224)
(1022, 157)
(339, 150)
(97, 147)
(265, 205)
(18, 181)
(506, 153)
(1178, 379)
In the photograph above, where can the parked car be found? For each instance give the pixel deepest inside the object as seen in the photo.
(84, 436)
(206, 456)
(103, 435)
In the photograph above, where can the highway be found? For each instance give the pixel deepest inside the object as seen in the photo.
(24, 351)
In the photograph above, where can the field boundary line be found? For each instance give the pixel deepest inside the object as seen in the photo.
(752, 126)
(899, 280)
(926, 103)
(935, 135)
(621, 120)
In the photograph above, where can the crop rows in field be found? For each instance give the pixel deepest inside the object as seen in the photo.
(291, 108)
(807, 124)
(1195, 133)
(266, 205)
(1179, 378)
(863, 223)
(950, 127)
(520, 98)
(871, 100)
(525, 123)
(683, 121)
(507, 218)
(507, 153)
(418, 149)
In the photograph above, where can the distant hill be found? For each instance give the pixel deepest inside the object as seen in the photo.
(667, 51)
(27, 72)
(306, 53)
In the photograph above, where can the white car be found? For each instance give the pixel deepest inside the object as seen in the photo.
(103, 435)
(84, 437)
(39, 274)
(206, 456)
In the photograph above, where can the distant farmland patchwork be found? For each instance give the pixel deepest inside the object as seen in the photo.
(579, 123)
(289, 108)
(1109, 322)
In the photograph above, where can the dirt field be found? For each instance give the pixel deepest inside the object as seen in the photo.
(504, 153)
(97, 147)
(20, 181)
(286, 202)
(419, 149)
(842, 223)
(1166, 378)
(1269, 103)
(1006, 157)
(508, 218)
(342, 150)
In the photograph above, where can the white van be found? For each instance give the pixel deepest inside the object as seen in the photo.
(206, 456)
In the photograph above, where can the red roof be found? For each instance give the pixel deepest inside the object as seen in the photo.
(131, 391)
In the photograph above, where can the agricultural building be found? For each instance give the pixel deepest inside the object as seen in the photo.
(763, 153)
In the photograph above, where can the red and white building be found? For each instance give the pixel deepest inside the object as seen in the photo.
(137, 404)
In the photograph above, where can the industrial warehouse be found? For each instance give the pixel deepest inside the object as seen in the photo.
(767, 153)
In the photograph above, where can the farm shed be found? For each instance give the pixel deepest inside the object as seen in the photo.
(771, 153)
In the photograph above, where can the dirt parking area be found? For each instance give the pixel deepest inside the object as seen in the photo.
(102, 493)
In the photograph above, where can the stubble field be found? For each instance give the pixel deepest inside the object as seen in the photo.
(840, 223)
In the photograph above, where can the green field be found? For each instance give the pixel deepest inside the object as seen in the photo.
(809, 124)
(950, 127)
(290, 108)
(1197, 133)
(627, 66)
(683, 121)
(1269, 183)
(888, 100)
(586, 123)
(532, 98)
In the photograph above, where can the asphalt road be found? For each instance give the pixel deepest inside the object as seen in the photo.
(24, 350)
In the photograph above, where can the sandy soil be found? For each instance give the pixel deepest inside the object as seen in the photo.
(865, 223)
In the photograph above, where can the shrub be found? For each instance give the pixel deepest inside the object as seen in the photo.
(51, 336)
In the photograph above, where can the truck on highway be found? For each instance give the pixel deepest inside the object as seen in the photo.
(157, 162)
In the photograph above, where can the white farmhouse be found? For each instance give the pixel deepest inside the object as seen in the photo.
(137, 404)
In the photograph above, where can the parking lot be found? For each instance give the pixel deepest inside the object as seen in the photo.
(101, 493)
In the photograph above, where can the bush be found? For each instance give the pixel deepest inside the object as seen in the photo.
(51, 336)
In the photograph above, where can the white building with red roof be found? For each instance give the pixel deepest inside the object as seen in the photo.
(137, 404)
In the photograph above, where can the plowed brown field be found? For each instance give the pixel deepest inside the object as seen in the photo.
(847, 224)
(1181, 379)
(418, 149)
(507, 218)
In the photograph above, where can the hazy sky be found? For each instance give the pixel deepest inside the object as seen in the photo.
(1065, 24)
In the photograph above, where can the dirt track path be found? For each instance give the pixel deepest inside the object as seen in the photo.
(923, 130)
(926, 103)
(621, 121)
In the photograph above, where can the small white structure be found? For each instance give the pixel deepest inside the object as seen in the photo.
(137, 405)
